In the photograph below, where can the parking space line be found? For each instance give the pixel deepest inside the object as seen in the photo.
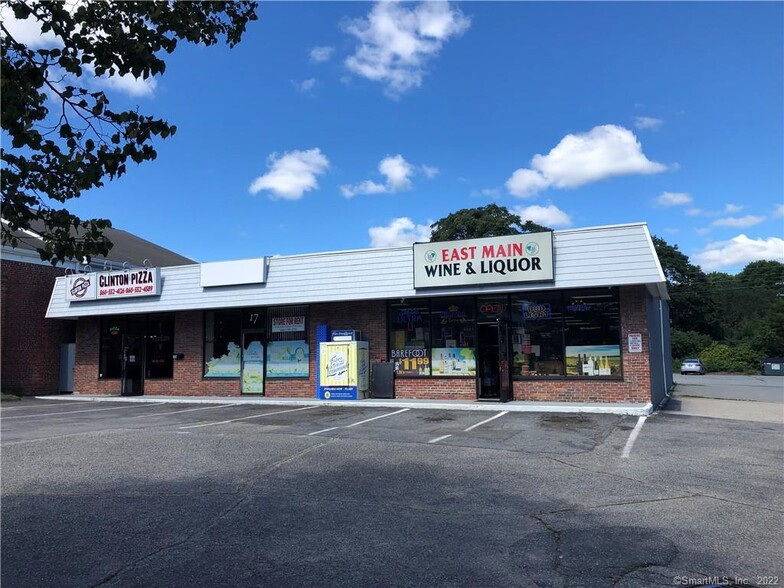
(30, 416)
(500, 414)
(253, 416)
(322, 431)
(633, 436)
(383, 416)
(437, 439)
(186, 410)
(359, 423)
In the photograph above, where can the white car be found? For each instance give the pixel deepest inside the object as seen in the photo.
(692, 366)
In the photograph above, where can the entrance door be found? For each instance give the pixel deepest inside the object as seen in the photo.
(494, 377)
(487, 371)
(132, 382)
(252, 362)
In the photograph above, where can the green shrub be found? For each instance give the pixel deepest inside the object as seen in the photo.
(720, 357)
(687, 344)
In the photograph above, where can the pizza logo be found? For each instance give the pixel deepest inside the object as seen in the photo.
(80, 286)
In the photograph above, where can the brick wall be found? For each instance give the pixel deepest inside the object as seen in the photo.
(371, 318)
(30, 343)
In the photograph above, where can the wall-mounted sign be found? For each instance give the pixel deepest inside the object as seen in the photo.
(515, 258)
(287, 324)
(635, 343)
(113, 285)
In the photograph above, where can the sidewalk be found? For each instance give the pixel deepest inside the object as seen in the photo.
(718, 408)
(515, 406)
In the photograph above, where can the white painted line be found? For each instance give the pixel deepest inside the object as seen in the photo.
(254, 416)
(437, 439)
(31, 416)
(633, 436)
(144, 416)
(322, 431)
(500, 414)
(383, 416)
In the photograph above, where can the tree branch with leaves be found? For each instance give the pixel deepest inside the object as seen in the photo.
(64, 136)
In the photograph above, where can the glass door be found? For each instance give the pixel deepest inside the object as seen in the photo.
(253, 362)
(132, 376)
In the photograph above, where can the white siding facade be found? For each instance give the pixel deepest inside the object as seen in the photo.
(618, 255)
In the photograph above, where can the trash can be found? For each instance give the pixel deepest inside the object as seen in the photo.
(773, 366)
(383, 380)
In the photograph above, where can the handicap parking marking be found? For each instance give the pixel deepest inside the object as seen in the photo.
(32, 416)
(383, 416)
(633, 436)
(253, 416)
(472, 427)
(144, 416)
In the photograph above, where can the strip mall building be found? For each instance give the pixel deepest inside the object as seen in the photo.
(573, 316)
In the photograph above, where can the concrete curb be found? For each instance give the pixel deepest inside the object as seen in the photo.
(519, 406)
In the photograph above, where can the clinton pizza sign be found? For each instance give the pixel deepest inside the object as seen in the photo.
(113, 285)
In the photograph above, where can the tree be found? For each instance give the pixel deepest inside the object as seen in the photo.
(693, 306)
(485, 221)
(64, 137)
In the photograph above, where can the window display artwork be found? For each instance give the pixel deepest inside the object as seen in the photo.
(593, 360)
(453, 361)
(225, 366)
(288, 359)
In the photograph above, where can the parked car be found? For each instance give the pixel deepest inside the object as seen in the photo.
(692, 366)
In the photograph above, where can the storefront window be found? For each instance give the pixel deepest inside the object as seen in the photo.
(288, 353)
(160, 346)
(222, 340)
(537, 335)
(146, 340)
(409, 328)
(110, 360)
(454, 348)
(592, 333)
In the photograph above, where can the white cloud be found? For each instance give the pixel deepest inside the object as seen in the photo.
(399, 233)
(397, 172)
(27, 31)
(778, 212)
(321, 54)
(647, 122)
(397, 42)
(366, 187)
(603, 152)
(703, 231)
(305, 85)
(291, 174)
(127, 84)
(675, 199)
(732, 208)
(741, 222)
(550, 215)
(740, 251)
(429, 171)
(693, 211)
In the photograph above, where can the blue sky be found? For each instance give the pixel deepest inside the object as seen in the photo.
(348, 125)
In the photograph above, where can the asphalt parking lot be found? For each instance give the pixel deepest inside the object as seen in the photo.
(99, 494)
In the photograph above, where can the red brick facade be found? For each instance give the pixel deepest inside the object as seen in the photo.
(371, 318)
(30, 343)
